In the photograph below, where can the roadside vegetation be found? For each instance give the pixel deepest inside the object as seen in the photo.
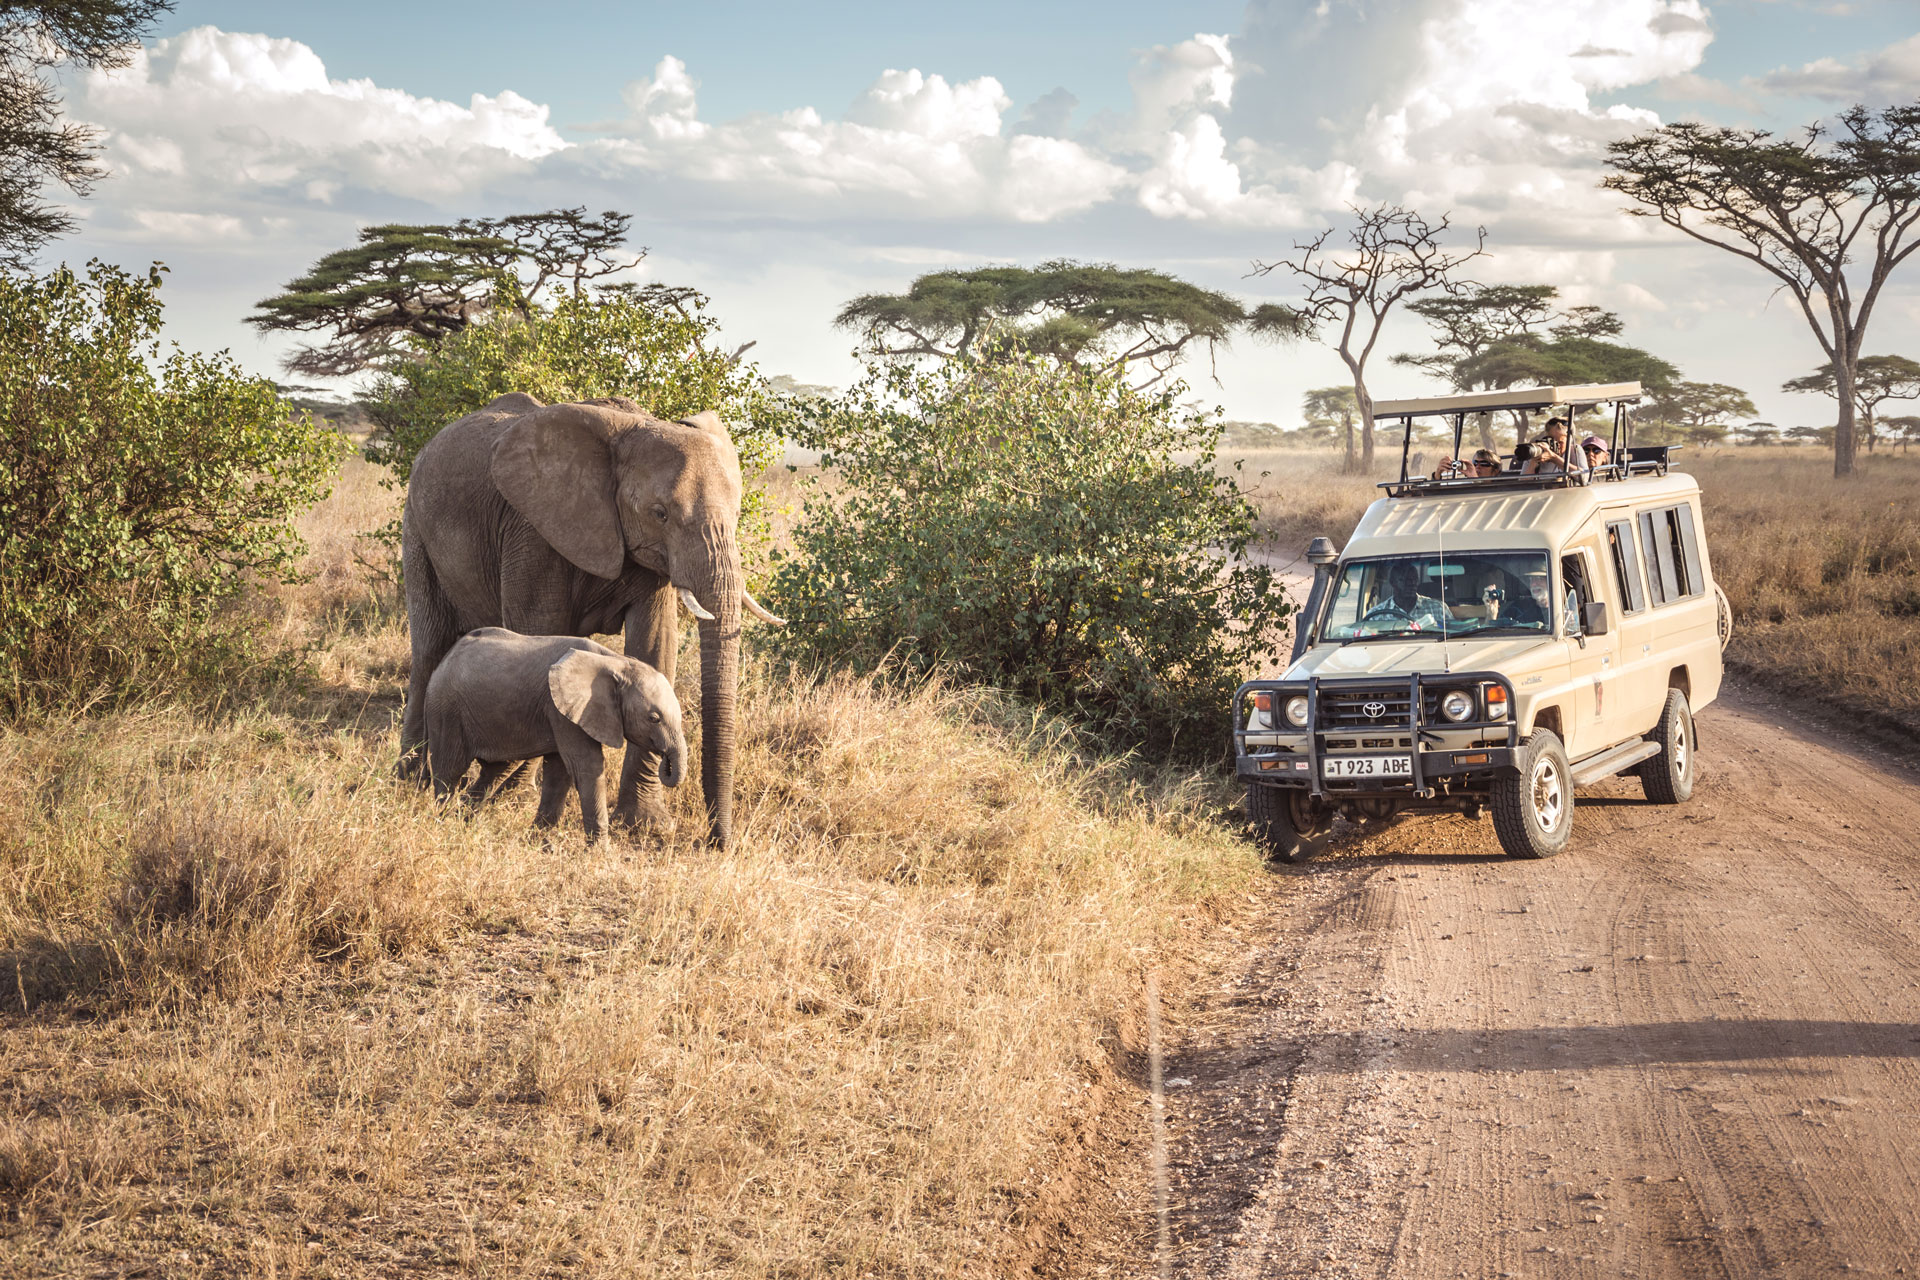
(266, 1010)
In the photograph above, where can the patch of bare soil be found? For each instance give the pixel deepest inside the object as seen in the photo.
(1690, 1046)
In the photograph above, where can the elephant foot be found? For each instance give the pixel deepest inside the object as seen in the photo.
(412, 767)
(649, 817)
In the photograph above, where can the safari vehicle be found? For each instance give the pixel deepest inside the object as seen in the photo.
(1493, 644)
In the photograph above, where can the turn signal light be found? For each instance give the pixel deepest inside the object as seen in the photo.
(1478, 757)
(1263, 700)
(1496, 701)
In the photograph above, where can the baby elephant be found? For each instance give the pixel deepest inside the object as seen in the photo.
(500, 697)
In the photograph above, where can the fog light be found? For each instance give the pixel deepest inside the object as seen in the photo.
(1478, 757)
(1457, 705)
(1297, 711)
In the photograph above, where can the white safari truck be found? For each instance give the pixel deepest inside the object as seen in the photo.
(1494, 643)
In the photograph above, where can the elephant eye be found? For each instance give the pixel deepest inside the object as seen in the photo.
(659, 513)
(654, 716)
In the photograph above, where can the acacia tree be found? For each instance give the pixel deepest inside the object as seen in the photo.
(1391, 255)
(1090, 313)
(1334, 406)
(1876, 380)
(425, 283)
(38, 149)
(1473, 321)
(1829, 214)
(1697, 412)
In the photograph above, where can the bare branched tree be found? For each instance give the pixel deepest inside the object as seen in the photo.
(1829, 215)
(1391, 254)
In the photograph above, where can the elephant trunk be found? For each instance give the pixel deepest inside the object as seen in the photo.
(719, 682)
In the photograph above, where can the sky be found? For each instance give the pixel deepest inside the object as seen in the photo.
(784, 158)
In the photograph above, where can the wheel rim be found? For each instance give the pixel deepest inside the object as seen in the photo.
(1549, 793)
(1680, 755)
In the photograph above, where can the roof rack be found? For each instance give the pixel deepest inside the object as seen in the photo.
(1634, 459)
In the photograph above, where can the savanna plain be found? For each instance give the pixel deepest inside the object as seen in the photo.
(269, 1011)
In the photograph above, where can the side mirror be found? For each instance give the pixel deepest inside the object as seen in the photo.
(1594, 617)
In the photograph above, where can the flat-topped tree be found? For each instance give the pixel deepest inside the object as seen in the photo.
(1090, 313)
(423, 283)
(1391, 255)
(1830, 215)
(1876, 380)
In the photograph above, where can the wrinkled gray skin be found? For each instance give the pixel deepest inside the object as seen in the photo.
(582, 519)
(500, 697)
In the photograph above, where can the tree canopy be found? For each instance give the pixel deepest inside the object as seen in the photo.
(1876, 380)
(1692, 413)
(404, 283)
(1090, 313)
(1391, 254)
(37, 148)
(1829, 214)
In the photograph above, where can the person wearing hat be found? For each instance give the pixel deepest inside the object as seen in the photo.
(1550, 451)
(1484, 463)
(1596, 452)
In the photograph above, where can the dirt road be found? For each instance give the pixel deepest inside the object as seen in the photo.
(1690, 1046)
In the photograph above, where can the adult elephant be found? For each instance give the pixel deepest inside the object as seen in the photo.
(584, 519)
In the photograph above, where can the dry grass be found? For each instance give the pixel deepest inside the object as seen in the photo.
(1303, 493)
(269, 1012)
(1824, 575)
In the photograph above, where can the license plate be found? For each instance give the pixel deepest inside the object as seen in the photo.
(1366, 767)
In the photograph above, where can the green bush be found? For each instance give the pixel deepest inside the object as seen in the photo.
(139, 491)
(1042, 527)
(655, 348)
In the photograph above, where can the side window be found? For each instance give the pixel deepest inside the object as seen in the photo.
(1687, 549)
(1656, 587)
(1573, 573)
(1626, 566)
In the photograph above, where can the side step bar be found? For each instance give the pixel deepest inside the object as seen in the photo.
(1608, 763)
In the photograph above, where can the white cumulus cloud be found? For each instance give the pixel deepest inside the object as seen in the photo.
(912, 144)
(1891, 74)
(211, 110)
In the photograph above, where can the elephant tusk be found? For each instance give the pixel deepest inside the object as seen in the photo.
(693, 606)
(759, 611)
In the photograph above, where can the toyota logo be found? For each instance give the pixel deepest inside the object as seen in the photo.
(1375, 710)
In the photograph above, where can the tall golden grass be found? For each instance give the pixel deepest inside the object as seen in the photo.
(264, 1010)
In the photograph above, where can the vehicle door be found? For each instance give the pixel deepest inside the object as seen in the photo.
(1593, 661)
(1641, 683)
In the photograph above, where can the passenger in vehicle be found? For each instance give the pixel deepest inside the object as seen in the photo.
(1550, 451)
(1516, 609)
(1420, 613)
(1484, 464)
(1596, 452)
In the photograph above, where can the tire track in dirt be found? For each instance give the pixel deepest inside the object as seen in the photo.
(1690, 1046)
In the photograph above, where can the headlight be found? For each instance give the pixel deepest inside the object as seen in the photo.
(1457, 705)
(1297, 711)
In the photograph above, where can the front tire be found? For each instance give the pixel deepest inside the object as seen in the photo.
(1668, 777)
(1272, 829)
(1533, 807)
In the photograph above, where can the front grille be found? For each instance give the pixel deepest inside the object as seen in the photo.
(1363, 709)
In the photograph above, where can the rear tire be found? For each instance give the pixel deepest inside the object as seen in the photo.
(1533, 807)
(1668, 777)
(1272, 829)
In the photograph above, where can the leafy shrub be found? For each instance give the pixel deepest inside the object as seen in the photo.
(1043, 527)
(138, 491)
(653, 347)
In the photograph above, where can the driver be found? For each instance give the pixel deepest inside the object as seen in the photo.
(1422, 613)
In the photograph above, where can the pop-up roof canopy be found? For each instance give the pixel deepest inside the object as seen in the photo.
(1579, 397)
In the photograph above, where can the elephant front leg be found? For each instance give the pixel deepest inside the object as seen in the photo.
(555, 783)
(653, 636)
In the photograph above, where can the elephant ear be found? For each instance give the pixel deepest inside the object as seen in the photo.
(586, 688)
(555, 468)
(708, 421)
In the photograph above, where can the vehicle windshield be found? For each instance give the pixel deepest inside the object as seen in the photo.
(1441, 597)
